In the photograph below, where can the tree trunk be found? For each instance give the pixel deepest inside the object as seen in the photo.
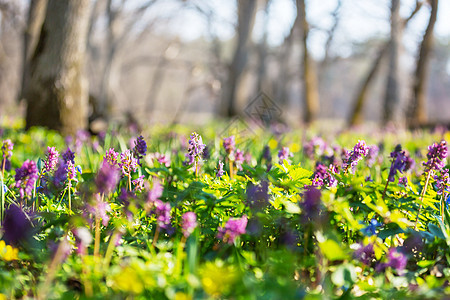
(356, 117)
(417, 114)
(310, 92)
(36, 16)
(57, 95)
(262, 51)
(392, 96)
(246, 16)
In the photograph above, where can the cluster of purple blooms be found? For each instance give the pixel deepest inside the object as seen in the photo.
(401, 162)
(442, 182)
(51, 160)
(437, 154)
(233, 229)
(140, 149)
(311, 203)
(128, 163)
(229, 144)
(316, 147)
(284, 154)
(107, 178)
(65, 170)
(396, 260)
(323, 176)
(359, 151)
(26, 177)
(220, 171)
(195, 149)
(189, 223)
(372, 155)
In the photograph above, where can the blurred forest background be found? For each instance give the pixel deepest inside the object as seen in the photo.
(64, 62)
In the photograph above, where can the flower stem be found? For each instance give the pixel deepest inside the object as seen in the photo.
(97, 236)
(421, 198)
(231, 169)
(155, 238)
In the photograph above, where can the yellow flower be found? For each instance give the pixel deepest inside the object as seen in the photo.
(273, 144)
(218, 279)
(7, 252)
(294, 147)
(182, 296)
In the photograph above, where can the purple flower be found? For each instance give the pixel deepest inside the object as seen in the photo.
(239, 159)
(26, 177)
(233, 228)
(403, 181)
(267, 156)
(7, 148)
(400, 162)
(359, 151)
(107, 178)
(311, 203)
(258, 195)
(189, 160)
(139, 183)
(315, 147)
(189, 223)
(16, 225)
(162, 212)
(372, 155)
(396, 260)
(60, 176)
(111, 157)
(196, 146)
(163, 159)
(220, 171)
(284, 154)
(229, 144)
(51, 159)
(437, 154)
(155, 193)
(127, 163)
(140, 148)
(442, 183)
(365, 254)
(100, 209)
(69, 156)
(323, 176)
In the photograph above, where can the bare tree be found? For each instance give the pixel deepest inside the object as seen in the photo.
(57, 93)
(310, 91)
(246, 17)
(392, 96)
(262, 49)
(417, 113)
(356, 115)
(36, 16)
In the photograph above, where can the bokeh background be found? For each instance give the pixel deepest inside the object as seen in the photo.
(193, 61)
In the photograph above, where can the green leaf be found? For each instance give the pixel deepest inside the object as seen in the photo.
(332, 250)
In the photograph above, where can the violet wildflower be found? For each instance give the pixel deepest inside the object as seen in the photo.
(51, 160)
(399, 162)
(162, 212)
(189, 223)
(284, 154)
(267, 156)
(162, 159)
(233, 228)
(229, 144)
(315, 147)
(365, 254)
(107, 178)
(138, 184)
(219, 171)
(196, 146)
(359, 151)
(396, 260)
(100, 209)
(239, 159)
(311, 203)
(189, 161)
(140, 148)
(403, 181)
(442, 181)
(111, 157)
(437, 154)
(69, 156)
(128, 163)
(372, 155)
(155, 193)
(323, 176)
(16, 225)
(26, 177)
(258, 195)
(60, 176)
